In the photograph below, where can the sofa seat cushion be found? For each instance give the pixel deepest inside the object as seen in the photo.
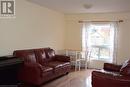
(47, 71)
(57, 64)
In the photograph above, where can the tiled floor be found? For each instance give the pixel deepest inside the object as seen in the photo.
(74, 79)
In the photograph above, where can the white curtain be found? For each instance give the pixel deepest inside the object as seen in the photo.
(85, 35)
(115, 48)
(85, 44)
(114, 27)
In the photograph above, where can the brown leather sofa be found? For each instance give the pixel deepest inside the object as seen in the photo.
(41, 65)
(112, 76)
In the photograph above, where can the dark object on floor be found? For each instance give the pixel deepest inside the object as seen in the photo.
(42, 65)
(9, 67)
(112, 76)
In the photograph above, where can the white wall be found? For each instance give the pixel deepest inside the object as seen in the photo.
(74, 38)
(33, 27)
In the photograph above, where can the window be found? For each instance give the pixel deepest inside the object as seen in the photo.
(100, 39)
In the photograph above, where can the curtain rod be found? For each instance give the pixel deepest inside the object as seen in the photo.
(101, 21)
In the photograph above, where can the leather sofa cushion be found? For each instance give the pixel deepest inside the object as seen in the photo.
(47, 71)
(40, 56)
(112, 67)
(27, 55)
(125, 69)
(50, 53)
(57, 64)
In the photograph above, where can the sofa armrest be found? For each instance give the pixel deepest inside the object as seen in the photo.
(62, 58)
(109, 79)
(30, 72)
(34, 67)
(112, 67)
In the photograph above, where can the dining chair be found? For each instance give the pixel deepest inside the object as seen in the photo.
(78, 57)
(86, 58)
(75, 57)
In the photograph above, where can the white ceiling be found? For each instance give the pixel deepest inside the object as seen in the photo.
(76, 6)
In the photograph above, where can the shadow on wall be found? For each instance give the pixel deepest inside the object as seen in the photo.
(35, 2)
(62, 52)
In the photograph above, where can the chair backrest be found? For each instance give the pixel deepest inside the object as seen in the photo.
(86, 55)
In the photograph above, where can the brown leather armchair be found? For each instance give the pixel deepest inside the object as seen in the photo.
(112, 76)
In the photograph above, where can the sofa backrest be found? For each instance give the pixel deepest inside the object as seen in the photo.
(27, 55)
(125, 69)
(50, 53)
(40, 55)
(44, 55)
